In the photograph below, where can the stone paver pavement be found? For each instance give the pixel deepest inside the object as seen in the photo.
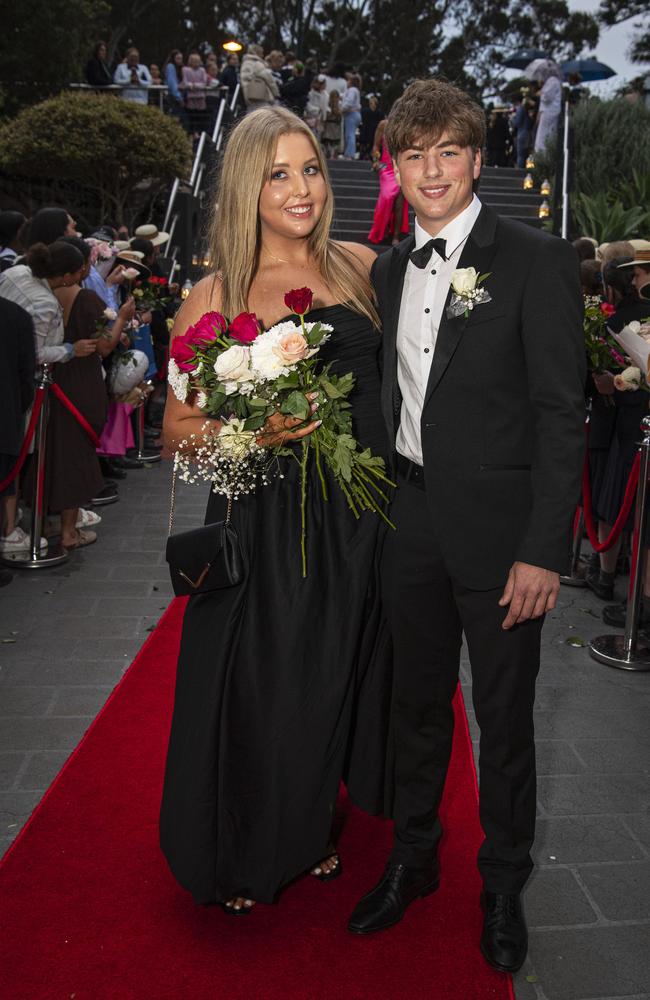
(68, 634)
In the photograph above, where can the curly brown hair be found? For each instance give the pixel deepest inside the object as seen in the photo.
(426, 109)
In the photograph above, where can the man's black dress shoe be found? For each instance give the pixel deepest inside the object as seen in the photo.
(603, 590)
(124, 462)
(504, 942)
(386, 904)
(109, 470)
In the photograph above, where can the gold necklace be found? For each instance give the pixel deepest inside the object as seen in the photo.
(281, 260)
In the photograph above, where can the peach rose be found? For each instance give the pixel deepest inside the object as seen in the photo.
(291, 348)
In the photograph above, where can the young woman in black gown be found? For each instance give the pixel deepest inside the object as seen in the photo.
(282, 683)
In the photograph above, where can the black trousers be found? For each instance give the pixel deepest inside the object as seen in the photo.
(428, 612)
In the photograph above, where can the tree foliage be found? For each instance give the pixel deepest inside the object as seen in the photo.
(118, 152)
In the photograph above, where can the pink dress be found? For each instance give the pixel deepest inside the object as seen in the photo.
(388, 191)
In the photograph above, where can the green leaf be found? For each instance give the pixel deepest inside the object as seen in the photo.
(575, 640)
(256, 403)
(255, 422)
(290, 381)
(482, 277)
(297, 405)
(216, 400)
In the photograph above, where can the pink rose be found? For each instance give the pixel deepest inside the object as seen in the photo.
(291, 348)
(245, 328)
(208, 328)
(182, 351)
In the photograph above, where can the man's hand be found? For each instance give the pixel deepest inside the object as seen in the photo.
(530, 591)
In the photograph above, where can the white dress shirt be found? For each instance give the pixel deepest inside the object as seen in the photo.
(19, 285)
(423, 299)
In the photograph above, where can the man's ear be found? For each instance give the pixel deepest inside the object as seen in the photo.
(478, 163)
(396, 170)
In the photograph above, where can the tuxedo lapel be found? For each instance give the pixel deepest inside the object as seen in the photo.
(391, 399)
(478, 253)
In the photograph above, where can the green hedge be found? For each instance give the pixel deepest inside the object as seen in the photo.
(112, 155)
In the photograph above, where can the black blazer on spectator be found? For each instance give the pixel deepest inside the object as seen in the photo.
(503, 418)
(17, 366)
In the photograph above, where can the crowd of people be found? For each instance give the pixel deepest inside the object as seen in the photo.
(328, 98)
(97, 311)
(616, 277)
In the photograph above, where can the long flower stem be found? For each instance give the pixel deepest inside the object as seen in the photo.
(316, 442)
(303, 506)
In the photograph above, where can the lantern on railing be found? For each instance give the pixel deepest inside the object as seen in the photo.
(530, 162)
(544, 210)
(186, 289)
(528, 182)
(545, 189)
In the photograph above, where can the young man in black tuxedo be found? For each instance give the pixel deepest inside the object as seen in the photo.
(483, 397)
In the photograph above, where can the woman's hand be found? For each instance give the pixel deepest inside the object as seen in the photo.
(279, 428)
(604, 382)
(127, 309)
(116, 277)
(84, 348)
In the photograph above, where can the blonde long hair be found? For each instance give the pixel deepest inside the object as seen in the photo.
(235, 232)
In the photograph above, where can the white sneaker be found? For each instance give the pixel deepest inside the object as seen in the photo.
(87, 518)
(18, 541)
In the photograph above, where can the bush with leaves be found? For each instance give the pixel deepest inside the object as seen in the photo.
(102, 145)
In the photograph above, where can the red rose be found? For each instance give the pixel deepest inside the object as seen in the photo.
(182, 351)
(245, 328)
(607, 309)
(208, 328)
(299, 300)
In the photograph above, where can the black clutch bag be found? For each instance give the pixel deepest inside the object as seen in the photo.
(203, 559)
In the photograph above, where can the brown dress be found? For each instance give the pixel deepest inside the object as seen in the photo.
(73, 475)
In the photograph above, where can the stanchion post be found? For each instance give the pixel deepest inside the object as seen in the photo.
(54, 555)
(626, 652)
(148, 457)
(576, 577)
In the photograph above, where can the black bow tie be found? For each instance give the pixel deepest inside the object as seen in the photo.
(422, 256)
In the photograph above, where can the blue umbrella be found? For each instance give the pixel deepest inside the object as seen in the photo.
(520, 59)
(589, 69)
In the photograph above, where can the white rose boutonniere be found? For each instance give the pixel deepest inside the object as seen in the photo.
(465, 283)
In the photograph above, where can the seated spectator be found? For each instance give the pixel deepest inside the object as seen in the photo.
(195, 82)
(11, 228)
(133, 77)
(49, 225)
(258, 84)
(17, 364)
(97, 72)
(585, 248)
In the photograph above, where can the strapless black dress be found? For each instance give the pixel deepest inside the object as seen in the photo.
(283, 683)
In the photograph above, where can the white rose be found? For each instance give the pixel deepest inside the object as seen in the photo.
(234, 365)
(110, 315)
(234, 441)
(463, 280)
(130, 273)
(628, 380)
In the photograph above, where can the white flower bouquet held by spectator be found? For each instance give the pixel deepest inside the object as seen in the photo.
(628, 380)
(102, 325)
(635, 341)
(242, 375)
(465, 283)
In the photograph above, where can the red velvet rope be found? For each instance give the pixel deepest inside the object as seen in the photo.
(628, 503)
(39, 398)
(79, 417)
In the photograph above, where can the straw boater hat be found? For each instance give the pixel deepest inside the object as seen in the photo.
(641, 253)
(133, 258)
(151, 233)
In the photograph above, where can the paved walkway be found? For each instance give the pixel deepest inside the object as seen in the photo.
(68, 634)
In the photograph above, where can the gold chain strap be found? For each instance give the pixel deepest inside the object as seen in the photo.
(172, 503)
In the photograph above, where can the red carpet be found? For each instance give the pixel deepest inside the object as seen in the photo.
(90, 912)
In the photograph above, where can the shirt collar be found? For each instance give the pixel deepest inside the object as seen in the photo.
(456, 231)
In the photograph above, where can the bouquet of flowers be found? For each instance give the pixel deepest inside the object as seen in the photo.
(602, 354)
(635, 341)
(151, 294)
(241, 374)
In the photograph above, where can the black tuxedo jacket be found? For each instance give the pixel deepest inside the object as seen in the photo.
(503, 418)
